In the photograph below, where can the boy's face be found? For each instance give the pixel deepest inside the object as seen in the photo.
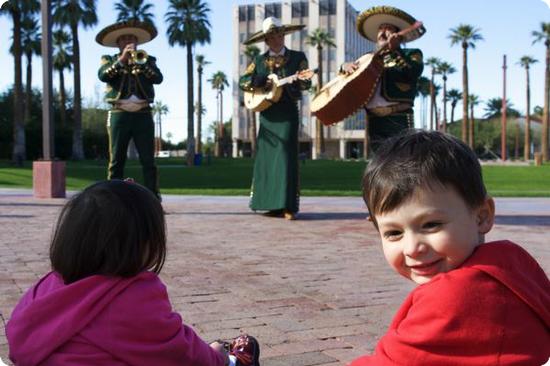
(432, 232)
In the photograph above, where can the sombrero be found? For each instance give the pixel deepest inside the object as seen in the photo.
(272, 25)
(370, 20)
(144, 32)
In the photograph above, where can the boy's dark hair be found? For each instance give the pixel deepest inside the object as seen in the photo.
(421, 159)
(112, 228)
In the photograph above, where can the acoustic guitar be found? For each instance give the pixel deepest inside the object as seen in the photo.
(261, 99)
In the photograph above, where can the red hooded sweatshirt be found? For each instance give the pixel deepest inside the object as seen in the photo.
(492, 310)
(103, 321)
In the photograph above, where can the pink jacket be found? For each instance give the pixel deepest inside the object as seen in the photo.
(493, 310)
(103, 320)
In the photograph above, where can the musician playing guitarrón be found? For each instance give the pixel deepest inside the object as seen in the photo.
(275, 184)
(390, 110)
(130, 77)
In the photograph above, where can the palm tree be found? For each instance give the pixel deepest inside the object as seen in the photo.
(432, 62)
(159, 109)
(473, 100)
(134, 10)
(423, 90)
(544, 36)
(74, 13)
(493, 108)
(17, 10)
(465, 35)
(251, 52)
(201, 62)
(62, 56)
(188, 25)
(200, 110)
(526, 62)
(318, 39)
(444, 69)
(219, 82)
(454, 96)
(31, 39)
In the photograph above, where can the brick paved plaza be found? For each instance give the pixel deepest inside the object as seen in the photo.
(315, 291)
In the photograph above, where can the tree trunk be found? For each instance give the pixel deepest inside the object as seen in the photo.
(160, 132)
(62, 99)
(527, 140)
(465, 94)
(199, 111)
(453, 106)
(319, 135)
(217, 147)
(222, 132)
(28, 89)
(19, 145)
(544, 137)
(190, 114)
(78, 151)
(432, 101)
(444, 122)
(471, 130)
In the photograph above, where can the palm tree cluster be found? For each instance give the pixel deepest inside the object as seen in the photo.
(188, 25)
(467, 36)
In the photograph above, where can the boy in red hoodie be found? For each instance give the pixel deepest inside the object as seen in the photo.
(477, 303)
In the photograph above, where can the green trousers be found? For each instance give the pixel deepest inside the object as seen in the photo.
(382, 128)
(138, 126)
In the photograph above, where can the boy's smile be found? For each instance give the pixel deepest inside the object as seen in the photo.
(432, 232)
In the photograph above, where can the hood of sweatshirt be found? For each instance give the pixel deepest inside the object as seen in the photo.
(516, 269)
(51, 312)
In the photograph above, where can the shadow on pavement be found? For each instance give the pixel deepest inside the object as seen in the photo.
(523, 220)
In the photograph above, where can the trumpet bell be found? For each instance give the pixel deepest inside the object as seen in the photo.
(138, 57)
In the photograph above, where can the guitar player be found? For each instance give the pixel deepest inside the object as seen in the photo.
(390, 110)
(275, 183)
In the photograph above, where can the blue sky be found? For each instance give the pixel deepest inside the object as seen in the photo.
(506, 26)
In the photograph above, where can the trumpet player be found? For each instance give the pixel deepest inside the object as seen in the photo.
(130, 76)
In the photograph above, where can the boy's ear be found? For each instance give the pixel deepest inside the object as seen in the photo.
(486, 215)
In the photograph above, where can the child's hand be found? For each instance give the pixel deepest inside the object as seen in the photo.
(221, 348)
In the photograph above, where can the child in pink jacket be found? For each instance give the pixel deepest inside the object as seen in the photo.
(103, 303)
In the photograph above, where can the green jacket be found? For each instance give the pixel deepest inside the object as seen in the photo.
(291, 62)
(122, 83)
(402, 68)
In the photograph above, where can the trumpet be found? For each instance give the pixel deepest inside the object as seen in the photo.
(138, 57)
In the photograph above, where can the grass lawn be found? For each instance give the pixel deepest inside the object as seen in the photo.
(233, 176)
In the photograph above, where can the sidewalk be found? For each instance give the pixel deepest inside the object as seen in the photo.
(315, 291)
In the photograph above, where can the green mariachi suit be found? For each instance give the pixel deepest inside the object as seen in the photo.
(275, 184)
(139, 125)
(399, 80)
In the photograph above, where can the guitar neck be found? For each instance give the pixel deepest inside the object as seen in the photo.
(292, 78)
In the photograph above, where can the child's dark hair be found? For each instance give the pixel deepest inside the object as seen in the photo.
(112, 228)
(421, 159)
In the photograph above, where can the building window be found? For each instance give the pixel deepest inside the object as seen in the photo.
(327, 7)
(300, 9)
(242, 13)
(273, 10)
(250, 12)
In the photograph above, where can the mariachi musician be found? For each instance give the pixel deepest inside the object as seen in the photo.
(275, 186)
(390, 110)
(130, 76)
